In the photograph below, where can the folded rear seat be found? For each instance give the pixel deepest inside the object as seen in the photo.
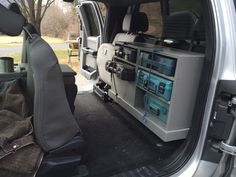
(133, 26)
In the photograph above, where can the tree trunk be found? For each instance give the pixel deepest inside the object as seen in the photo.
(34, 11)
(37, 25)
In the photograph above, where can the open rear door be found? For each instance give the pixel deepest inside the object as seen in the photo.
(91, 36)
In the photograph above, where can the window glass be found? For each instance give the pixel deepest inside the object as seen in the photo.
(153, 12)
(103, 9)
(92, 20)
(182, 5)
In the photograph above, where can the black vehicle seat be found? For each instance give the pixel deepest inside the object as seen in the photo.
(56, 131)
(53, 121)
(55, 128)
(68, 73)
(133, 26)
(178, 29)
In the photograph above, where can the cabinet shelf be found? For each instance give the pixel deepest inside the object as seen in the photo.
(150, 117)
(150, 121)
(157, 73)
(126, 61)
(154, 95)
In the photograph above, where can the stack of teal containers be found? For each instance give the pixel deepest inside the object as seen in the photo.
(155, 84)
(158, 63)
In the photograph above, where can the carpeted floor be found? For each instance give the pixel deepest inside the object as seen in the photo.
(116, 141)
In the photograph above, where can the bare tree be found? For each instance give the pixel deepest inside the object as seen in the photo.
(34, 10)
(57, 23)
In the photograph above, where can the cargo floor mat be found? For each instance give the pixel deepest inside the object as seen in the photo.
(116, 141)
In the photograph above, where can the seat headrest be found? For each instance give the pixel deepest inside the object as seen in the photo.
(15, 8)
(179, 25)
(11, 23)
(135, 22)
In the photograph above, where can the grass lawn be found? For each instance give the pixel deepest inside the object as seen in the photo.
(62, 56)
(60, 53)
(7, 41)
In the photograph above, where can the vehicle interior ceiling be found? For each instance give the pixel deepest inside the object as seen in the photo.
(116, 141)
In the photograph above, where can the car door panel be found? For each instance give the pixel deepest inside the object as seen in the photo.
(92, 29)
(222, 128)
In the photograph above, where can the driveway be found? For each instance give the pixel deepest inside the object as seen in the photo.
(4, 51)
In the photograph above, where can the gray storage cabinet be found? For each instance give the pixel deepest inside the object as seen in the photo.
(180, 107)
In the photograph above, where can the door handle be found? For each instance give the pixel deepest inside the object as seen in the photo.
(89, 51)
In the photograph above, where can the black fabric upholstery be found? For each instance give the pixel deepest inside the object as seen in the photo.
(135, 22)
(54, 123)
(179, 25)
(15, 8)
(11, 23)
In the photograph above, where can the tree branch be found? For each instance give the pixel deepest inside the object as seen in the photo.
(48, 4)
(39, 9)
(24, 8)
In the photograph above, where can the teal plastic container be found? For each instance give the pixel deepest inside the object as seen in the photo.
(160, 86)
(145, 59)
(164, 65)
(142, 78)
(158, 63)
(155, 84)
(156, 107)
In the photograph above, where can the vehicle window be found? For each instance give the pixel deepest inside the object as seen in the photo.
(92, 20)
(182, 5)
(103, 9)
(153, 12)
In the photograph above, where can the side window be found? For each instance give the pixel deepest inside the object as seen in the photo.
(153, 12)
(103, 9)
(92, 20)
(185, 5)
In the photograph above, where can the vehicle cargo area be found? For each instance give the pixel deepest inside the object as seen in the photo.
(116, 141)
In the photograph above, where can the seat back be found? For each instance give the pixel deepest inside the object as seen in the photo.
(54, 123)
